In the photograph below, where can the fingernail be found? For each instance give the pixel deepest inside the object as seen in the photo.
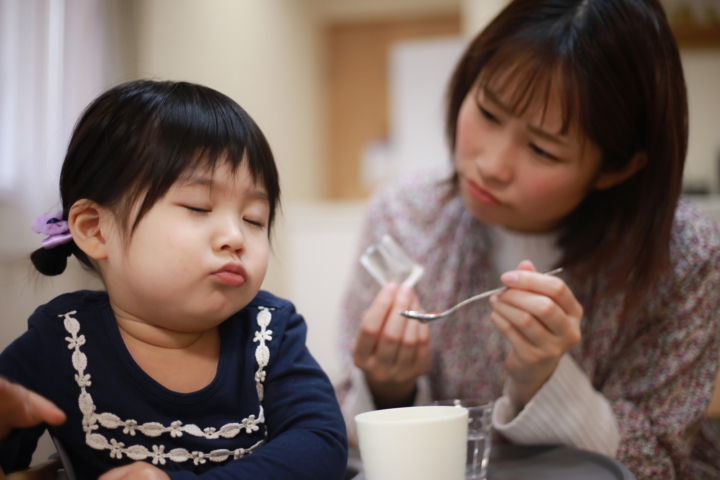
(509, 277)
(493, 299)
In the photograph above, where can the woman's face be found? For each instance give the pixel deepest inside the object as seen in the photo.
(520, 172)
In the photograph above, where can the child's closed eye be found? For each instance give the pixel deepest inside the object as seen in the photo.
(197, 210)
(254, 223)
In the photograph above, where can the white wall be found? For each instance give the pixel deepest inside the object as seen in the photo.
(702, 75)
(355, 10)
(322, 242)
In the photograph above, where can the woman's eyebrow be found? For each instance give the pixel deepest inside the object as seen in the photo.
(536, 130)
(545, 135)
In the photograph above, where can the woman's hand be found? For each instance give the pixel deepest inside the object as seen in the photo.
(540, 317)
(391, 349)
(137, 470)
(21, 408)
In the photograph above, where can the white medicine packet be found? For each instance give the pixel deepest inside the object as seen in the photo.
(387, 262)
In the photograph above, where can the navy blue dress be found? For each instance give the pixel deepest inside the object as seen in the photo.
(269, 413)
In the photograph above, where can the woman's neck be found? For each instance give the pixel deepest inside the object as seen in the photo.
(511, 247)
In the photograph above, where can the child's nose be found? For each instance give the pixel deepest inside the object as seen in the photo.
(231, 236)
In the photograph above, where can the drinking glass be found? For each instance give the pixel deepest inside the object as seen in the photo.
(479, 440)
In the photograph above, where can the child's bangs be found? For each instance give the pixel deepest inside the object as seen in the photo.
(190, 132)
(528, 77)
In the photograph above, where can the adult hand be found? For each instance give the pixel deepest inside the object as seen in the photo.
(392, 350)
(21, 408)
(540, 317)
(137, 470)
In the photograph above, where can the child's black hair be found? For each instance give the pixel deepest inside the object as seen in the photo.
(135, 141)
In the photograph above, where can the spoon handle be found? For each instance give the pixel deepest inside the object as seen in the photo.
(427, 317)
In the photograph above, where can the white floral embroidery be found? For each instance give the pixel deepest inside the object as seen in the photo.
(176, 429)
(262, 353)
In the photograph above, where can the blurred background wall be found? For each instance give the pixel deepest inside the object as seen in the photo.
(343, 89)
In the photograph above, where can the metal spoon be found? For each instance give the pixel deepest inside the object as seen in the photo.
(429, 317)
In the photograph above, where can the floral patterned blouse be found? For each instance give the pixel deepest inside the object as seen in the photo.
(657, 371)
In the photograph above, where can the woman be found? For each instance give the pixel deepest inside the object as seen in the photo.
(567, 122)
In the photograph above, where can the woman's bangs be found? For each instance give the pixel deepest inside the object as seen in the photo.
(529, 78)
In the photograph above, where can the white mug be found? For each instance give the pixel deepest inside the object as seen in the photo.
(418, 443)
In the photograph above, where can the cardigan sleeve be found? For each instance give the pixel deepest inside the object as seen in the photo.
(307, 439)
(566, 410)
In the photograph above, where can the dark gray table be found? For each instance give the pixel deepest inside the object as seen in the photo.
(516, 462)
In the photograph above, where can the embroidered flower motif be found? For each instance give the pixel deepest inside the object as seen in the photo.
(176, 429)
(263, 335)
(116, 448)
(239, 453)
(197, 457)
(130, 426)
(83, 380)
(75, 342)
(209, 431)
(157, 455)
(250, 424)
(260, 376)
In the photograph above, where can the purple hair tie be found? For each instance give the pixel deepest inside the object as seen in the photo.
(54, 226)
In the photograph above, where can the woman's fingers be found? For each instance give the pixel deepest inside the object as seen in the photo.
(406, 351)
(392, 348)
(535, 331)
(394, 329)
(46, 410)
(135, 471)
(20, 408)
(547, 285)
(372, 323)
(526, 306)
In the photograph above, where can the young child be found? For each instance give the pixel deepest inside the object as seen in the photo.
(567, 122)
(183, 367)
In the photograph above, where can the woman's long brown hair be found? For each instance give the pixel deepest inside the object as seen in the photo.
(617, 67)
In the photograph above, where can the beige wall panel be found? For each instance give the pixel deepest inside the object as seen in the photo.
(357, 102)
(263, 54)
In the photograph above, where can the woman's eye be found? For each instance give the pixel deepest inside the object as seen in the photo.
(541, 153)
(488, 115)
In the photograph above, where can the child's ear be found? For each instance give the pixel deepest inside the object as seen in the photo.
(88, 223)
(610, 179)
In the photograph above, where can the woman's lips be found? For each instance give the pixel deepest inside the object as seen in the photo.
(232, 275)
(481, 195)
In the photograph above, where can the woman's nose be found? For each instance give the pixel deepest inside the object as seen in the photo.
(496, 164)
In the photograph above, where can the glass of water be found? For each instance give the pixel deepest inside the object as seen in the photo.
(479, 434)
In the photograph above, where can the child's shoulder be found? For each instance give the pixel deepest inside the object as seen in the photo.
(80, 301)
